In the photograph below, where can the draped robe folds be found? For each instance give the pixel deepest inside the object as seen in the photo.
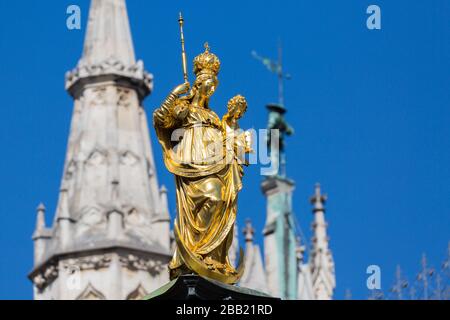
(208, 180)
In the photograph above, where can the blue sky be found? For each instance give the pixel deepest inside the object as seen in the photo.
(371, 111)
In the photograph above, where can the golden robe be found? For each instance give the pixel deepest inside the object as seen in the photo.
(208, 180)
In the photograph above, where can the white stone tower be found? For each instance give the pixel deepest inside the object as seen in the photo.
(110, 237)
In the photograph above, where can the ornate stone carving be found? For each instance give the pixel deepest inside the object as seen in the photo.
(90, 293)
(89, 263)
(91, 216)
(133, 217)
(135, 262)
(39, 281)
(123, 97)
(99, 96)
(137, 294)
(129, 158)
(45, 276)
(96, 157)
(110, 66)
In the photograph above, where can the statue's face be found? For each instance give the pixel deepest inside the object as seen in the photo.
(236, 111)
(208, 86)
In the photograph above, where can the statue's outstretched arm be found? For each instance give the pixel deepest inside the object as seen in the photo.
(162, 117)
(171, 109)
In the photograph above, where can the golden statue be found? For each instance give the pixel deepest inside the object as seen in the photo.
(205, 155)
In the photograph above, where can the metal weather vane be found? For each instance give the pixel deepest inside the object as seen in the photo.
(277, 68)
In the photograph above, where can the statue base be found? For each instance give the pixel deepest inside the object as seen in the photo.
(194, 287)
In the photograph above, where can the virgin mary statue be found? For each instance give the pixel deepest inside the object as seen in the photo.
(207, 173)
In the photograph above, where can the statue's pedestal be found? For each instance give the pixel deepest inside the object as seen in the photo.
(194, 287)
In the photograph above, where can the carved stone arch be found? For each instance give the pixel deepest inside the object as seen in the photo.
(91, 215)
(137, 294)
(133, 216)
(90, 293)
(129, 158)
(97, 157)
(132, 211)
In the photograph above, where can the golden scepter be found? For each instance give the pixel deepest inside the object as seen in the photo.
(183, 52)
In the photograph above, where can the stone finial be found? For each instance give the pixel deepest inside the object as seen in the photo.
(165, 214)
(248, 231)
(40, 207)
(40, 219)
(40, 231)
(318, 199)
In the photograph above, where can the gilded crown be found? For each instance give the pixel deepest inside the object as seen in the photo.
(206, 62)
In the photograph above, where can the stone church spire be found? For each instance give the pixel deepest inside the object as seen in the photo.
(108, 52)
(108, 34)
(112, 219)
(321, 260)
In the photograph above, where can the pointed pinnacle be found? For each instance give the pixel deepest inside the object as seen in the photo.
(248, 231)
(318, 199)
(40, 217)
(41, 207)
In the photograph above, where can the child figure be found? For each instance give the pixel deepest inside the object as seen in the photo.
(238, 142)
